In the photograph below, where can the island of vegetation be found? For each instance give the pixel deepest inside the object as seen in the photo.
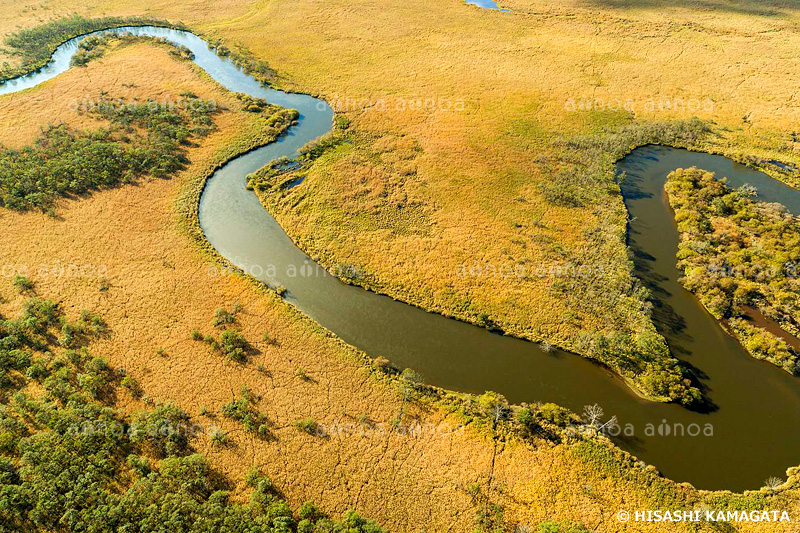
(741, 257)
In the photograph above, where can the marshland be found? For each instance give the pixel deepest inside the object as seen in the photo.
(394, 200)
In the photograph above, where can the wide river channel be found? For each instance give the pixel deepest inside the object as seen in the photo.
(755, 411)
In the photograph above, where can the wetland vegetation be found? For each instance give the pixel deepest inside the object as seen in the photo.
(138, 139)
(394, 164)
(71, 461)
(585, 178)
(738, 253)
(33, 47)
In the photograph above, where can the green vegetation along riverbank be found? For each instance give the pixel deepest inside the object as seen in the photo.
(34, 46)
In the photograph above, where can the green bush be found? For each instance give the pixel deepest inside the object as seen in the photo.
(243, 410)
(165, 431)
(234, 345)
(308, 424)
(22, 284)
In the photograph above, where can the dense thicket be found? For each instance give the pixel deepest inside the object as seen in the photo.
(736, 254)
(34, 46)
(141, 139)
(69, 461)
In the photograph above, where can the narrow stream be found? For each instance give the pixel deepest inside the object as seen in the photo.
(756, 415)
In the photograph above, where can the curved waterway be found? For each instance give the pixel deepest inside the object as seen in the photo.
(755, 410)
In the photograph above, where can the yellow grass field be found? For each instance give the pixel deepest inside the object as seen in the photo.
(510, 81)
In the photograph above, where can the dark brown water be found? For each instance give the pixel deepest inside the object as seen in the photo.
(758, 319)
(755, 412)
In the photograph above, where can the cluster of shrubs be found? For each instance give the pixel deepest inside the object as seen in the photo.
(243, 410)
(142, 139)
(231, 344)
(737, 253)
(34, 46)
(252, 103)
(70, 461)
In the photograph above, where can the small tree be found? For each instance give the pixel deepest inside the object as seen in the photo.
(22, 284)
(593, 414)
(165, 430)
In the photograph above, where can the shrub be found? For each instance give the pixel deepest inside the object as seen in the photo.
(308, 424)
(554, 414)
(223, 317)
(219, 438)
(164, 430)
(133, 386)
(243, 410)
(22, 284)
(525, 417)
(234, 345)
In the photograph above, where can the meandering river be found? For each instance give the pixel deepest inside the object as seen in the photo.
(756, 406)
